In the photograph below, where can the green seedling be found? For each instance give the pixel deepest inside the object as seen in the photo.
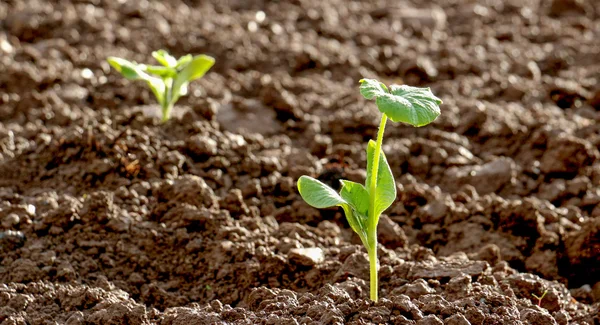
(540, 298)
(363, 205)
(168, 81)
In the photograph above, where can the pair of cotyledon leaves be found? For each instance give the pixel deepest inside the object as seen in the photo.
(169, 81)
(412, 105)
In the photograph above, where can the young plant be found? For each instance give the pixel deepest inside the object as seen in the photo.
(540, 298)
(363, 205)
(168, 81)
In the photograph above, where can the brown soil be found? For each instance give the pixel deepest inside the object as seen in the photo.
(109, 217)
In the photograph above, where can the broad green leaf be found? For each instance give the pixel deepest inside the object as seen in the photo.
(358, 200)
(163, 72)
(164, 58)
(318, 194)
(357, 222)
(128, 69)
(194, 70)
(412, 105)
(183, 61)
(385, 190)
(133, 71)
(356, 195)
(158, 88)
(370, 88)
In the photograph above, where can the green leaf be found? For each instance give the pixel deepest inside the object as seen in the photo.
(358, 200)
(318, 194)
(357, 195)
(195, 69)
(407, 104)
(164, 58)
(357, 222)
(370, 88)
(162, 72)
(129, 70)
(183, 61)
(385, 190)
(158, 88)
(134, 71)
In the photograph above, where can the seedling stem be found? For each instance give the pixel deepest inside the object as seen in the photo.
(373, 219)
(540, 298)
(166, 112)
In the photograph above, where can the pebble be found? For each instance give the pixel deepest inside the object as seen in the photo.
(306, 256)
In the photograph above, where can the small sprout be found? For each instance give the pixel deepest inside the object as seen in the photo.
(168, 81)
(540, 298)
(363, 204)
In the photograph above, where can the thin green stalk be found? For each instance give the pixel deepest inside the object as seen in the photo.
(375, 169)
(167, 106)
(374, 279)
(373, 219)
(166, 112)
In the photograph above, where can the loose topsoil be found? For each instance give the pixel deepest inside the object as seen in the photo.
(108, 216)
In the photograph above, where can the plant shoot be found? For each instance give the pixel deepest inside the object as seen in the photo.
(363, 204)
(168, 81)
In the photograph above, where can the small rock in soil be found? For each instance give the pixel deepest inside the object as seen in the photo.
(189, 189)
(486, 179)
(537, 317)
(11, 240)
(458, 319)
(582, 249)
(11, 220)
(391, 234)
(415, 289)
(356, 265)
(567, 7)
(567, 154)
(202, 146)
(306, 256)
(430, 320)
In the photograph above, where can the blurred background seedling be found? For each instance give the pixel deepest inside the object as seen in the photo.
(168, 81)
